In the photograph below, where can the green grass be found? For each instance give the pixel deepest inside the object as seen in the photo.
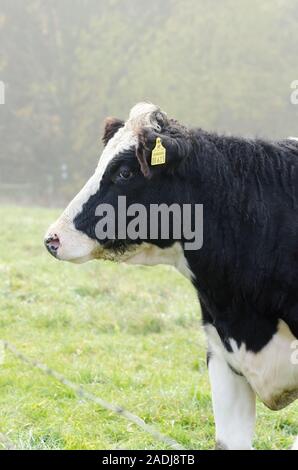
(130, 335)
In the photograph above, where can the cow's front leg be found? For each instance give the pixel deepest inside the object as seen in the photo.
(234, 404)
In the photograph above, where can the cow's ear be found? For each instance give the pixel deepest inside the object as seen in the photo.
(159, 120)
(111, 126)
(176, 142)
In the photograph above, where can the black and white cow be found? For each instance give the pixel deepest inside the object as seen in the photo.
(246, 273)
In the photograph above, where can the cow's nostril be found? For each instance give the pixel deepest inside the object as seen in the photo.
(52, 244)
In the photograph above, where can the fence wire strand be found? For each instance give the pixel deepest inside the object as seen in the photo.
(88, 396)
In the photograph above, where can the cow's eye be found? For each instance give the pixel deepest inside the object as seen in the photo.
(122, 174)
(125, 174)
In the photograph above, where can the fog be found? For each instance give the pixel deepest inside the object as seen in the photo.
(65, 65)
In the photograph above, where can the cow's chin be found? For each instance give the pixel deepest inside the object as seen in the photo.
(74, 256)
(139, 254)
(119, 253)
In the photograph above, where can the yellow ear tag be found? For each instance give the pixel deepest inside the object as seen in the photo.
(158, 155)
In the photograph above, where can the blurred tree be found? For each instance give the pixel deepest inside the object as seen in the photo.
(67, 64)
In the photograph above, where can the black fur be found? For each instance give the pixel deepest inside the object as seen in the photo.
(246, 274)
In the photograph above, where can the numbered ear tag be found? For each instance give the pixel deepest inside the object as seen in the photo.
(158, 156)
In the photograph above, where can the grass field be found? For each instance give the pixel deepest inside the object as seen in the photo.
(130, 335)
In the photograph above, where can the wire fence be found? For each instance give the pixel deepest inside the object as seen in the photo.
(80, 392)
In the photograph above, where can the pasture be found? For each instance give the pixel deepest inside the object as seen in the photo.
(130, 335)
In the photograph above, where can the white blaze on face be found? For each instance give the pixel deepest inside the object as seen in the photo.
(74, 245)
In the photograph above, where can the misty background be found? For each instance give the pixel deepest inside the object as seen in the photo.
(67, 64)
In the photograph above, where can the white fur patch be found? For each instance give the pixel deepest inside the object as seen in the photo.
(233, 403)
(151, 255)
(271, 372)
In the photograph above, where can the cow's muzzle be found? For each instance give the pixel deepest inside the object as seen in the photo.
(52, 244)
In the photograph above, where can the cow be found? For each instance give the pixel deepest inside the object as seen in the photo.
(245, 272)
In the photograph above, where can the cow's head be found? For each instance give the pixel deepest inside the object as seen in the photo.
(124, 169)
